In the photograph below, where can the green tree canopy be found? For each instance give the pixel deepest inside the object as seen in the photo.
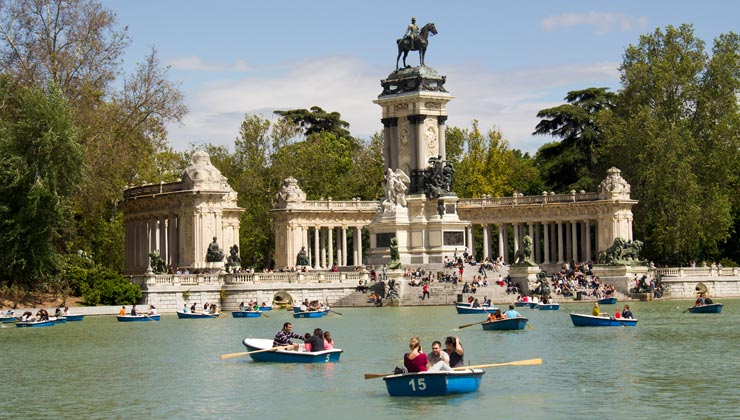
(317, 120)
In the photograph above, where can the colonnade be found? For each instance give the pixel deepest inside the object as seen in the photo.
(328, 245)
(145, 235)
(552, 241)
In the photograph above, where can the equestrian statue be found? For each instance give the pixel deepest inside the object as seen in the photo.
(415, 40)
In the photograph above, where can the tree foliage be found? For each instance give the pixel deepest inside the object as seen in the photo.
(40, 168)
(572, 163)
(316, 121)
(677, 120)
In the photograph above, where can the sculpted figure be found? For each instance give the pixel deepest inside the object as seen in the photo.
(523, 255)
(414, 42)
(395, 262)
(396, 183)
(302, 258)
(412, 31)
(214, 252)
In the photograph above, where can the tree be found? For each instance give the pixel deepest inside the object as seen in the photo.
(571, 163)
(40, 168)
(677, 119)
(317, 120)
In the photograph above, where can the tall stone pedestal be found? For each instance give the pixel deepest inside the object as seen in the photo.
(427, 230)
(525, 277)
(619, 275)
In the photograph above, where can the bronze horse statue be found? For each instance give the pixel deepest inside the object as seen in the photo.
(419, 44)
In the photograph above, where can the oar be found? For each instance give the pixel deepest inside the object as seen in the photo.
(529, 362)
(618, 320)
(470, 325)
(332, 310)
(530, 325)
(244, 353)
(686, 310)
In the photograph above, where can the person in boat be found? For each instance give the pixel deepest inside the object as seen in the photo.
(284, 337)
(122, 312)
(306, 344)
(596, 311)
(27, 316)
(263, 305)
(455, 351)
(708, 301)
(328, 341)
(134, 311)
(213, 309)
(700, 300)
(415, 360)
(618, 314)
(626, 313)
(42, 315)
(315, 341)
(475, 304)
(437, 359)
(66, 311)
(255, 307)
(497, 315)
(241, 306)
(58, 312)
(152, 310)
(206, 306)
(193, 308)
(512, 313)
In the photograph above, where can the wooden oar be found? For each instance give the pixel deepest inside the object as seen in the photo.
(470, 325)
(613, 318)
(332, 310)
(529, 362)
(244, 353)
(687, 310)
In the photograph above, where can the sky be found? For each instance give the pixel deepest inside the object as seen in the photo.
(504, 60)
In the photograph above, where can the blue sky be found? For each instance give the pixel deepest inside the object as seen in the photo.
(504, 60)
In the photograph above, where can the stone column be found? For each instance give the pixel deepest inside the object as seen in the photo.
(574, 235)
(330, 240)
(358, 244)
(537, 243)
(560, 242)
(322, 243)
(316, 250)
(344, 245)
(442, 139)
(163, 248)
(486, 241)
(506, 245)
(516, 237)
(470, 244)
(587, 241)
(500, 228)
(546, 240)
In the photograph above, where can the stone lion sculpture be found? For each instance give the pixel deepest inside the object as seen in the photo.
(523, 255)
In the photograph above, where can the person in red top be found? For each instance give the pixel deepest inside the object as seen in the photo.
(415, 360)
(425, 291)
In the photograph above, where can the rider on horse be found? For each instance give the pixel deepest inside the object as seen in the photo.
(412, 31)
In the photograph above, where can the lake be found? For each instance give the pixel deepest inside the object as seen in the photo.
(672, 365)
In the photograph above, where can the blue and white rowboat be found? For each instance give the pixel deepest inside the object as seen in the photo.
(433, 384)
(466, 309)
(310, 314)
(196, 315)
(266, 308)
(137, 318)
(73, 318)
(607, 301)
(261, 352)
(712, 308)
(517, 323)
(7, 319)
(581, 320)
(246, 314)
(34, 324)
(548, 306)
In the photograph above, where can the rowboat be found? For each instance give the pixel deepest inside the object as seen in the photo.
(712, 308)
(58, 319)
(246, 314)
(548, 306)
(433, 384)
(137, 318)
(533, 305)
(297, 309)
(73, 318)
(607, 301)
(517, 323)
(581, 320)
(7, 319)
(466, 309)
(33, 324)
(196, 315)
(310, 314)
(262, 351)
(520, 303)
(265, 308)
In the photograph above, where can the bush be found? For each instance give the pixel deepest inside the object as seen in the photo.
(106, 287)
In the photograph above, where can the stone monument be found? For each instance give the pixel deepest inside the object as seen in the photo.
(419, 208)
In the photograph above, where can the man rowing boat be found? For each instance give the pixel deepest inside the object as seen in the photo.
(284, 336)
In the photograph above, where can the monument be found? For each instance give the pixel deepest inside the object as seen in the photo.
(419, 208)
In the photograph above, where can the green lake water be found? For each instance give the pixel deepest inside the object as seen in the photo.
(673, 365)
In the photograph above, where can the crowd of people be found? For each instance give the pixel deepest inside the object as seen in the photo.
(318, 341)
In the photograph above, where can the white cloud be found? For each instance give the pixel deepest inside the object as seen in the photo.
(601, 21)
(506, 100)
(196, 63)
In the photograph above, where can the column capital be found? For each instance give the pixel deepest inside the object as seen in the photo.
(416, 119)
(441, 119)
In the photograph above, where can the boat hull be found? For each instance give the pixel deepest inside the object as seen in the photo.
(712, 308)
(265, 308)
(517, 323)
(463, 309)
(310, 314)
(521, 304)
(35, 324)
(581, 320)
(433, 384)
(608, 301)
(137, 318)
(286, 356)
(190, 315)
(59, 320)
(4, 319)
(74, 318)
(246, 314)
(533, 305)
(548, 306)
